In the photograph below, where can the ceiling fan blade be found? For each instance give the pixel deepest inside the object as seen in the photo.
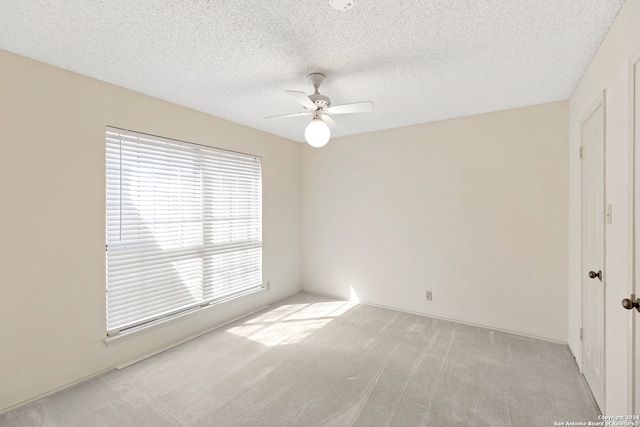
(356, 107)
(303, 99)
(328, 120)
(306, 113)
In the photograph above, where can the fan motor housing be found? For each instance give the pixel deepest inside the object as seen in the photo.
(321, 101)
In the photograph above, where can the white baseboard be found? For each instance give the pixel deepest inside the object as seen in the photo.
(55, 390)
(169, 347)
(138, 359)
(191, 337)
(449, 319)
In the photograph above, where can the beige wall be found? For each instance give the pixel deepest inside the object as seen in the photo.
(473, 209)
(52, 207)
(608, 72)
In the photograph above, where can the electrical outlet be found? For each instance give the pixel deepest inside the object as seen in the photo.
(267, 286)
(429, 296)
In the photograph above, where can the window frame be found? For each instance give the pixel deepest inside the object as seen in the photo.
(238, 251)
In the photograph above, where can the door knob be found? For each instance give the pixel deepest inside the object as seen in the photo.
(632, 303)
(593, 275)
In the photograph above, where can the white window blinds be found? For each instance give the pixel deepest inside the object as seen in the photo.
(183, 227)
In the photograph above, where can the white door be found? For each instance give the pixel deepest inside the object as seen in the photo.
(592, 138)
(635, 316)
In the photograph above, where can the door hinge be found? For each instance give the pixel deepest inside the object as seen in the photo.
(581, 334)
(582, 152)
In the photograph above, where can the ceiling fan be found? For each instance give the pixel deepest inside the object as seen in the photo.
(317, 133)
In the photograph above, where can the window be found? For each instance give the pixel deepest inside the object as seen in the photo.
(184, 227)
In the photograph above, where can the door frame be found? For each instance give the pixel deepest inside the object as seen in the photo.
(597, 103)
(632, 271)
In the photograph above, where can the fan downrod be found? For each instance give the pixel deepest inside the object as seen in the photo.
(317, 79)
(321, 102)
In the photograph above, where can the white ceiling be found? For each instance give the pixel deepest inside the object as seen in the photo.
(417, 60)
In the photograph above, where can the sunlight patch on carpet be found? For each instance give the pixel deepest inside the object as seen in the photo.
(291, 323)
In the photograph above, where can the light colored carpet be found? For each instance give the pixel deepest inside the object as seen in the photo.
(311, 361)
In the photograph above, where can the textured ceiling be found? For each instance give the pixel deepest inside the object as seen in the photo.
(417, 60)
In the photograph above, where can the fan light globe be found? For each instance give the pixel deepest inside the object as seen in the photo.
(317, 133)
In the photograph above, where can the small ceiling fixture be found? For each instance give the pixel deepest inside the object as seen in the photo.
(317, 133)
(341, 4)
